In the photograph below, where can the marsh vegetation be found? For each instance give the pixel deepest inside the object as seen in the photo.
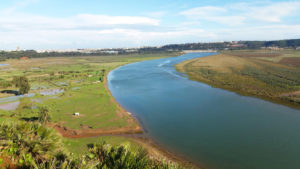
(262, 73)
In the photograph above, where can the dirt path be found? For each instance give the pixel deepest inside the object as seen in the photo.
(87, 132)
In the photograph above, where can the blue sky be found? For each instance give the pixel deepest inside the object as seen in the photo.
(70, 24)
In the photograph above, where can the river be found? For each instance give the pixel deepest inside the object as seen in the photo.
(3, 65)
(212, 127)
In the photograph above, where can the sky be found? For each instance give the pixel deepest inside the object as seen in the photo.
(72, 24)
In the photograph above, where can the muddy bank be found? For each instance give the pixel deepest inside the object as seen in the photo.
(88, 132)
(155, 150)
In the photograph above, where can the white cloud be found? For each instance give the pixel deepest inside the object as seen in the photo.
(228, 20)
(239, 13)
(18, 5)
(41, 39)
(120, 37)
(88, 30)
(247, 21)
(203, 12)
(33, 31)
(156, 14)
(273, 12)
(271, 32)
(116, 20)
(81, 21)
(215, 14)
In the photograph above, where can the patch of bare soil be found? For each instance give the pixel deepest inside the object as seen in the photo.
(7, 163)
(256, 54)
(290, 61)
(292, 94)
(87, 131)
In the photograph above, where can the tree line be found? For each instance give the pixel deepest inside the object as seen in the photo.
(291, 43)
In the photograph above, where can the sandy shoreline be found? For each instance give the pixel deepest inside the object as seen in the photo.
(159, 152)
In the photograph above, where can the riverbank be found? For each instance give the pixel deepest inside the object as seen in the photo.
(155, 150)
(83, 85)
(137, 141)
(245, 75)
(158, 152)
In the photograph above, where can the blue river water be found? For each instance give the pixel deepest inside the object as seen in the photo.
(212, 127)
(4, 65)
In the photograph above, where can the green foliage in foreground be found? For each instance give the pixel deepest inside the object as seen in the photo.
(29, 144)
(32, 145)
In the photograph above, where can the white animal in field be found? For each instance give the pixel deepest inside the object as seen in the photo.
(76, 114)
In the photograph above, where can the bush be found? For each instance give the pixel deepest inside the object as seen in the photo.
(113, 157)
(32, 145)
(23, 83)
(5, 84)
(44, 114)
(28, 144)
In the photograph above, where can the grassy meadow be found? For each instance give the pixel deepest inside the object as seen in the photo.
(80, 146)
(69, 85)
(260, 73)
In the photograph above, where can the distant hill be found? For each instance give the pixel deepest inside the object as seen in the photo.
(291, 43)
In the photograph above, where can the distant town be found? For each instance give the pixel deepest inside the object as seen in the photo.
(213, 46)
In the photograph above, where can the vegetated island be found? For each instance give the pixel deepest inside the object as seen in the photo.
(273, 75)
(58, 112)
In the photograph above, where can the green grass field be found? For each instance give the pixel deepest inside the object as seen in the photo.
(82, 91)
(265, 54)
(80, 146)
(255, 73)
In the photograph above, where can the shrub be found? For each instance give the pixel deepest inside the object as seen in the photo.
(44, 114)
(32, 145)
(28, 144)
(5, 84)
(114, 157)
(23, 83)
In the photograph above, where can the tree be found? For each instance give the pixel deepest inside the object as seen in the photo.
(103, 71)
(102, 75)
(44, 115)
(23, 83)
